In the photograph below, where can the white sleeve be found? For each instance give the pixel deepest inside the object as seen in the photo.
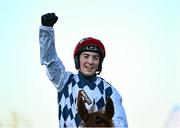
(48, 56)
(119, 117)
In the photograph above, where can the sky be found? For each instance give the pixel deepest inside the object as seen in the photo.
(142, 41)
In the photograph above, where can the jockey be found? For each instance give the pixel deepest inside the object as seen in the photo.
(88, 55)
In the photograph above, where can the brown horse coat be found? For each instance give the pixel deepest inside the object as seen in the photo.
(101, 118)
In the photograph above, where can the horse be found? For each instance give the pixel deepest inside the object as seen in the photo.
(100, 118)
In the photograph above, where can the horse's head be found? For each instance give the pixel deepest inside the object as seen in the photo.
(101, 118)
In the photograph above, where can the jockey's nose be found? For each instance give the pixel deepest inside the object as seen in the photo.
(90, 60)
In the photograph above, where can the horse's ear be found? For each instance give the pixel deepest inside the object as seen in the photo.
(82, 110)
(109, 108)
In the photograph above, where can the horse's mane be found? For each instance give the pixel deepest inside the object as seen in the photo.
(101, 118)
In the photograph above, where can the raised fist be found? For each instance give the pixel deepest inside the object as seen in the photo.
(49, 19)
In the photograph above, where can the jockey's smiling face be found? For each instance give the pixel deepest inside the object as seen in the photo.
(89, 63)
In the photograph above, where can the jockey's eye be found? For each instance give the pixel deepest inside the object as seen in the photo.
(85, 56)
(96, 57)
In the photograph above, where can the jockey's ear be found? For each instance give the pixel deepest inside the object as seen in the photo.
(82, 110)
(109, 108)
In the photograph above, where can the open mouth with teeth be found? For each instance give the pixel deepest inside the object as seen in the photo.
(89, 68)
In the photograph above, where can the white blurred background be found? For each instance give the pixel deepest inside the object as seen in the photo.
(142, 40)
